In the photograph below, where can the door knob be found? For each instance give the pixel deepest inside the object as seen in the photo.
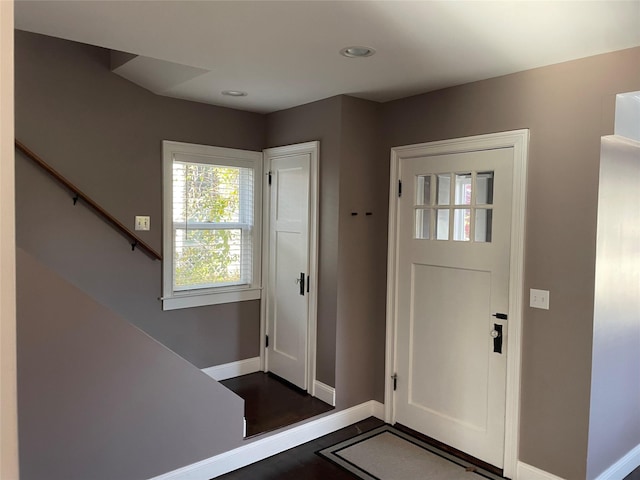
(494, 334)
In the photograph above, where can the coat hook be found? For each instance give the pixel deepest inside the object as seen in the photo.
(134, 245)
(353, 214)
(368, 214)
(75, 199)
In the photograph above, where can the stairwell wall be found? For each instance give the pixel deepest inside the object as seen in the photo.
(104, 134)
(87, 413)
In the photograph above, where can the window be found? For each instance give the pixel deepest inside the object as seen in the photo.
(469, 202)
(211, 215)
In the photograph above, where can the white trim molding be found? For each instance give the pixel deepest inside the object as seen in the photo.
(257, 450)
(622, 467)
(518, 141)
(250, 223)
(8, 386)
(527, 472)
(324, 392)
(233, 369)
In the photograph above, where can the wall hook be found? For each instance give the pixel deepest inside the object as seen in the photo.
(134, 245)
(75, 199)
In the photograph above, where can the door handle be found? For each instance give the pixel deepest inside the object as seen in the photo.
(496, 334)
(301, 283)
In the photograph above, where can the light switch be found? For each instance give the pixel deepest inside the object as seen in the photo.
(539, 299)
(143, 222)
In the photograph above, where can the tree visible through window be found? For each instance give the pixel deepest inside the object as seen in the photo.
(213, 232)
(209, 224)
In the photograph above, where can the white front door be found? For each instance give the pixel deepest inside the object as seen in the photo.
(452, 297)
(288, 269)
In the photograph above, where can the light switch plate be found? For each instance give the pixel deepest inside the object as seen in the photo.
(539, 299)
(143, 222)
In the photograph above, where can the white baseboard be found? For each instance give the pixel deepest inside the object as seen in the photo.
(527, 472)
(257, 450)
(233, 369)
(324, 392)
(622, 467)
(378, 410)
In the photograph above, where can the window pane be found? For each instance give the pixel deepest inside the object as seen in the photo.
(463, 189)
(423, 219)
(442, 224)
(484, 188)
(209, 193)
(204, 258)
(423, 190)
(484, 217)
(444, 188)
(461, 224)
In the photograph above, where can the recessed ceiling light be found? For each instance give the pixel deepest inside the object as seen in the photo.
(357, 51)
(234, 93)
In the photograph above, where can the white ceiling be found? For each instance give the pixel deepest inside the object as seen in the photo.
(285, 53)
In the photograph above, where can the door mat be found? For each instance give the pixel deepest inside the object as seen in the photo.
(389, 454)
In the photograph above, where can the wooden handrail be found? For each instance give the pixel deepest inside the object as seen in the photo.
(80, 195)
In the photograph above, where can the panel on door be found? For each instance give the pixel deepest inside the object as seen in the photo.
(455, 324)
(452, 276)
(287, 303)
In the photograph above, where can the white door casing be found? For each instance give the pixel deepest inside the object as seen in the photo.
(485, 426)
(289, 270)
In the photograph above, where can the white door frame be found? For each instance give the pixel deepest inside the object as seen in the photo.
(519, 141)
(313, 149)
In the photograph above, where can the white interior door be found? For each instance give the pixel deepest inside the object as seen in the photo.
(287, 308)
(453, 242)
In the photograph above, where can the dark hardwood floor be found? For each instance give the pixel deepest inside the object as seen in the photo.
(271, 403)
(302, 462)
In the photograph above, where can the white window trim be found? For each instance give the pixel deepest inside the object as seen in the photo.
(171, 299)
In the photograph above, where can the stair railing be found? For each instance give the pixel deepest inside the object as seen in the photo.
(135, 241)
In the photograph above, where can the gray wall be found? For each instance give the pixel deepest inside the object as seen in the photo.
(319, 121)
(567, 107)
(101, 400)
(614, 427)
(352, 280)
(104, 134)
(362, 287)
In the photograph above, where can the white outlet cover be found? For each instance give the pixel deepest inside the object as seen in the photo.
(539, 299)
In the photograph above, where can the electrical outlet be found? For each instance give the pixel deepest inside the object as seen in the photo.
(143, 222)
(539, 299)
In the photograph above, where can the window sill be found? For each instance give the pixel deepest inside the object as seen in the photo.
(188, 301)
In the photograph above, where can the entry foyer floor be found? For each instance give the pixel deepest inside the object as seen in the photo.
(303, 462)
(272, 403)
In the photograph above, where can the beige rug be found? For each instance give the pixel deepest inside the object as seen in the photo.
(389, 454)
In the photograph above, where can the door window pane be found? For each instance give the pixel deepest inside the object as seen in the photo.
(442, 224)
(444, 188)
(484, 188)
(423, 220)
(461, 224)
(423, 190)
(463, 189)
(484, 217)
(454, 206)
